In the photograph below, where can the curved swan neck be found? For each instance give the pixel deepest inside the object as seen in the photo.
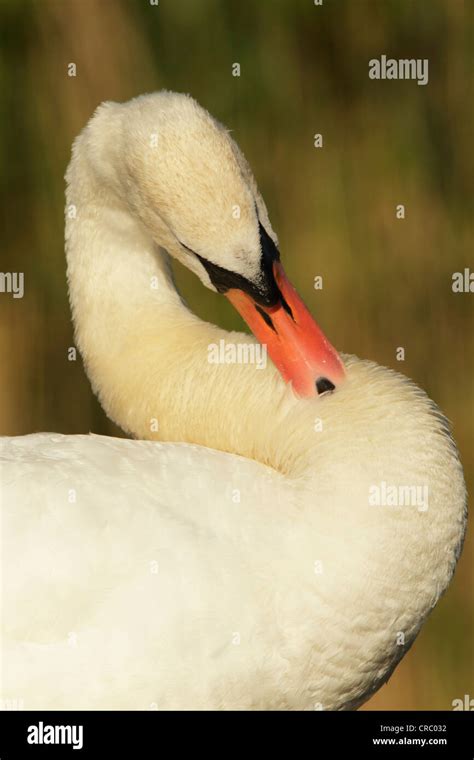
(116, 273)
(146, 354)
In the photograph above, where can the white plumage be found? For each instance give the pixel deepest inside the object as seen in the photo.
(240, 564)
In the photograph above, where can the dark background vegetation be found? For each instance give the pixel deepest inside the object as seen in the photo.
(304, 69)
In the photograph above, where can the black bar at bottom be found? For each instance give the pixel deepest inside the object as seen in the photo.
(153, 734)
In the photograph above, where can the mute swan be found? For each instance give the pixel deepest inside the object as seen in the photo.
(284, 545)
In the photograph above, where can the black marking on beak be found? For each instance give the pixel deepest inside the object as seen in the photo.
(266, 318)
(286, 306)
(323, 385)
(265, 290)
(270, 254)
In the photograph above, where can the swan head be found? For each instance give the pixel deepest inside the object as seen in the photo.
(188, 182)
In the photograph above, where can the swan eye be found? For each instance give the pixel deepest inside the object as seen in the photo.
(323, 385)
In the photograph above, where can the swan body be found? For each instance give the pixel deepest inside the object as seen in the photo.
(232, 557)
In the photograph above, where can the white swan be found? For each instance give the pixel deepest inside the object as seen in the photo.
(243, 563)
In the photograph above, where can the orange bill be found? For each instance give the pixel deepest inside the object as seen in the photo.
(296, 345)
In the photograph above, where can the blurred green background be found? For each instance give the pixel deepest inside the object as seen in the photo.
(304, 70)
